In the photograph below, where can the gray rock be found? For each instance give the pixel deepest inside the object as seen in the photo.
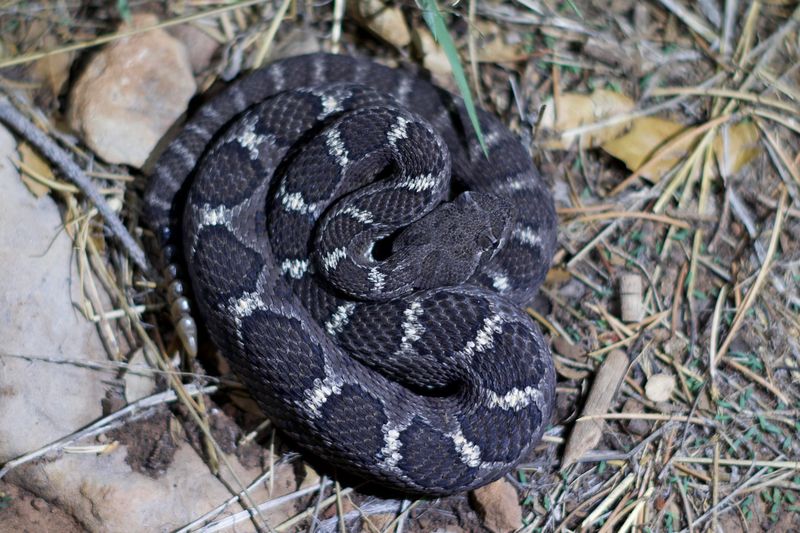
(41, 402)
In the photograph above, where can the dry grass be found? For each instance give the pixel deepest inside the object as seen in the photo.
(720, 252)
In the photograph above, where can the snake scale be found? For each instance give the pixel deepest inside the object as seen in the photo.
(362, 264)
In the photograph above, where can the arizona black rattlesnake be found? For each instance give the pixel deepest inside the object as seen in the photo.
(371, 303)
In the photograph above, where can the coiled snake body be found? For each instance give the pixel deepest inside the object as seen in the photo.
(369, 300)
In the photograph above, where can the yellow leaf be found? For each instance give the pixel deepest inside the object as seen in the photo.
(54, 70)
(492, 46)
(387, 22)
(736, 147)
(35, 165)
(646, 136)
(574, 110)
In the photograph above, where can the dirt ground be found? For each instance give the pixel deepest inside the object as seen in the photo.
(668, 134)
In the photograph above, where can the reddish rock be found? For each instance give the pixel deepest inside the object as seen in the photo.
(130, 93)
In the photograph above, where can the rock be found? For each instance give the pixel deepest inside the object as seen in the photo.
(659, 387)
(22, 512)
(637, 426)
(43, 401)
(37, 318)
(130, 94)
(39, 504)
(199, 45)
(138, 384)
(296, 42)
(498, 505)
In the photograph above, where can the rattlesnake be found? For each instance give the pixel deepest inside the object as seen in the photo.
(371, 304)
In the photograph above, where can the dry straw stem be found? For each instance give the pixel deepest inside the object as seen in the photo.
(340, 507)
(651, 416)
(269, 37)
(787, 122)
(564, 211)
(336, 31)
(587, 432)
(397, 524)
(195, 411)
(727, 93)
(618, 491)
(48, 148)
(631, 336)
(715, 485)
(55, 185)
(716, 319)
(757, 379)
(580, 507)
(692, 20)
(766, 49)
(637, 205)
(285, 526)
(125, 33)
(637, 513)
(473, 51)
(230, 521)
(792, 465)
(784, 159)
(759, 282)
(616, 215)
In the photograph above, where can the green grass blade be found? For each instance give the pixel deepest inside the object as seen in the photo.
(433, 18)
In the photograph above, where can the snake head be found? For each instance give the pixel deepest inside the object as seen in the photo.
(453, 241)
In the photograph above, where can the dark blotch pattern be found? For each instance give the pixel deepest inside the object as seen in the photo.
(353, 403)
(223, 268)
(275, 344)
(427, 456)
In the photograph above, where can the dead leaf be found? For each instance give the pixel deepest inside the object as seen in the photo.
(574, 110)
(433, 56)
(310, 477)
(568, 372)
(567, 349)
(637, 426)
(558, 275)
(646, 136)
(659, 387)
(736, 147)
(387, 22)
(493, 47)
(34, 164)
(53, 70)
